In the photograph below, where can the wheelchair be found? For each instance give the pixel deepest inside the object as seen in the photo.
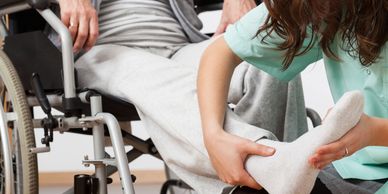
(33, 72)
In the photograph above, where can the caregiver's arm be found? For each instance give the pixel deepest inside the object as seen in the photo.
(227, 152)
(370, 131)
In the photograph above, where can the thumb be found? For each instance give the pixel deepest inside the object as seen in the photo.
(220, 29)
(259, 149)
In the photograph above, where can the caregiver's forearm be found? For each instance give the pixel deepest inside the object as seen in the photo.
(215, 72)
(379, 131)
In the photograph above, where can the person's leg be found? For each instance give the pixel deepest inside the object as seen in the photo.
(164, 92)
(254, 93)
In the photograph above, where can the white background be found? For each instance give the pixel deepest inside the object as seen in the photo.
(68, 149)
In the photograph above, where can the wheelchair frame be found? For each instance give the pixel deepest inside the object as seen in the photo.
(65, 123)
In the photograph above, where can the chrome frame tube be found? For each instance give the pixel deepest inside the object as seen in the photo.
(54, 100)
(118, 148)
(99, 145)
(67, 51)
(8, 169)
(14, 8)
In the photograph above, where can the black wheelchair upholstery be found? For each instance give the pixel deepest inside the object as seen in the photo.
(32, 52)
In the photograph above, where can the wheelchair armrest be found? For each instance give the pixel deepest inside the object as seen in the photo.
(39, 4)
(314, 117)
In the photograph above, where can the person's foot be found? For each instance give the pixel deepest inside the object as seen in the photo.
(288, 170)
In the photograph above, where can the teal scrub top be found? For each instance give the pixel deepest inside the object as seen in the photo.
(344, 75)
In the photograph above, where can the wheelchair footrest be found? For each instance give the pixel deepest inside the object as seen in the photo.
(106, 161)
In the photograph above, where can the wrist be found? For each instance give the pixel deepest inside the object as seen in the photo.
(209, 134)
(379, 131)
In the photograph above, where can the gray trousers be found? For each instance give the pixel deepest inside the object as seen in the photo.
(164, 93)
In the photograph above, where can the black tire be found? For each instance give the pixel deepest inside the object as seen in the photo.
(23, 138)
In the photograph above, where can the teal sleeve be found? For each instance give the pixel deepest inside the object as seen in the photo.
(243, 40)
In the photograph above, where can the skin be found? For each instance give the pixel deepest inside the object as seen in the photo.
(370, 131)
(81, 19)
(232, 11)
(228, 152)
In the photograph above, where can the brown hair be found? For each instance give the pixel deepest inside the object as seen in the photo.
(363, 26)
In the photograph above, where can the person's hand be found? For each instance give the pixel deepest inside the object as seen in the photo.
(228, 154)
(357, 138)
(81, 19)
(232, 11)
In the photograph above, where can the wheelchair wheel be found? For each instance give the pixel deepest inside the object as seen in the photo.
(21, 131)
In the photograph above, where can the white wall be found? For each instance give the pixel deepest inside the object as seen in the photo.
(68, 149)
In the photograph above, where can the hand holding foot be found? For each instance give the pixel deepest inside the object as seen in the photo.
(357, 138)
(288, 170)
(228, 153)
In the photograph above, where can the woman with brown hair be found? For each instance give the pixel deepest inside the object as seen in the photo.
(282, 37)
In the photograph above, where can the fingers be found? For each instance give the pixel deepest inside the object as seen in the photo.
(220, 29)
(93, 33)
(258, 149)
(73, 27)
(81, 19)
(82, 34)
(331, 152)
(331, 148)
(320, 161)
(65, 17)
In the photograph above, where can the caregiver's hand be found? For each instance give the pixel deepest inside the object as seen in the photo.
(81, 19)
(232, 11)
(360, 136)
(228, 154)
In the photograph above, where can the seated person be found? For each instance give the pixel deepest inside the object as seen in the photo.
(148, 53)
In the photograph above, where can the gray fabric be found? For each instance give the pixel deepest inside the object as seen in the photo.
(270, 92)
(164, 92)
(184, 12)
(140, 23)
(337, 185)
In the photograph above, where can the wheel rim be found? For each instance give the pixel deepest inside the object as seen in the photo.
(25, 162)
(14, 147)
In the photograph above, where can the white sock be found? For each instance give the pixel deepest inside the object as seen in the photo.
(288, 170)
